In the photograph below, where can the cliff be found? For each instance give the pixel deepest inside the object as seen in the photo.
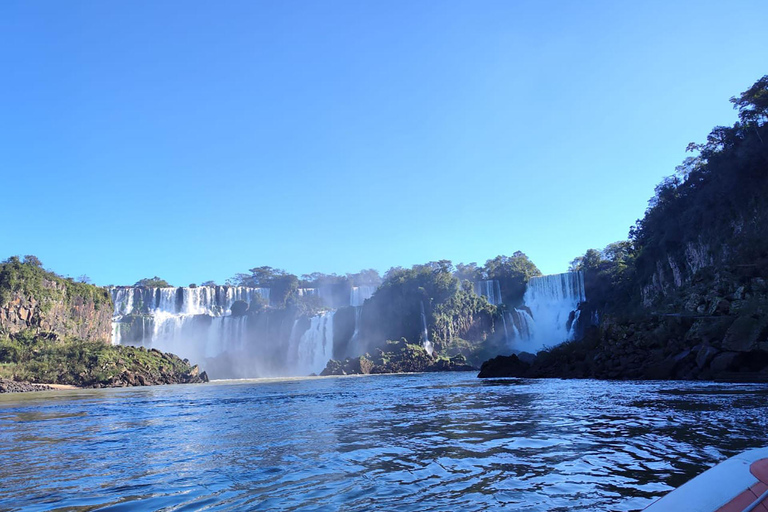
(686, 296)
(33, 298)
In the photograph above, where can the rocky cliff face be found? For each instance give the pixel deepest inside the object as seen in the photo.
(719, 331)
(677, 270)
(58, 310)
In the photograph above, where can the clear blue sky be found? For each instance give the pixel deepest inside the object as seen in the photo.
(196, 139)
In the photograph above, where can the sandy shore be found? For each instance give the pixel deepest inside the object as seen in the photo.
(62, 386)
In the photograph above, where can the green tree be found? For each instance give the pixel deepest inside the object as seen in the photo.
(31, 259)
(513, 273)
(752, 104)
(153, 282)
(469, 272)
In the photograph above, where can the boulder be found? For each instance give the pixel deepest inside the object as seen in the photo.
(723, 362)
(705, 355)
(503, 366)
(742, 335)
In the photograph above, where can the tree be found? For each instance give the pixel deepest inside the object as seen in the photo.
(281, 284)
(752, 104)
(366, 277)
(30, 259)
(208, 283)
(84, 279)
(153, 282)
(512, 273)
(469, 272)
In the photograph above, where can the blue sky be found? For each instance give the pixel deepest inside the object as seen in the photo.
(193, 140)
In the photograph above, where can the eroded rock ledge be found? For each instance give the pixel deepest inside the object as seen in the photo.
(399, 357)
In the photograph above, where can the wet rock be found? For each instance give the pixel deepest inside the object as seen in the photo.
(12, 386)
(239, 308)
(504, 366)
(723, 362)
(333, 367)
(742, 335)
(705, 355)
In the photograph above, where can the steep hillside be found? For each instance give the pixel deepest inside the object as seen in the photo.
(34, 298)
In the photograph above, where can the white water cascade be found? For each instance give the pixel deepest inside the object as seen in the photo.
(197, 323)
(425, 332)
(490, 289)
(553, 302)
(359, 294)
(315, 347)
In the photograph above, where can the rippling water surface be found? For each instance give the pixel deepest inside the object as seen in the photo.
(405, 442)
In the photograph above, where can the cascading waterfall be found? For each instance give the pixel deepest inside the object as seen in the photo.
(353, 341)
(201, 300)
(490, 289)
(197, 323)
(359, 294)
(315, 347)
(553, 302)
(425, 332)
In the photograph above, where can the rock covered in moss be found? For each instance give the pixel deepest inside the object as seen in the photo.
(398, 357)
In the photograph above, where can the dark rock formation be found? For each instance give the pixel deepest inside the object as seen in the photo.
(504, 366)
(399, 357)
(11, 386)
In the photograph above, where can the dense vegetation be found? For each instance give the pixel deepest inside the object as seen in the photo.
(152, 282)
(28, 356)
(29, 278)
(686, 295)
(706, 223)
(457, 319)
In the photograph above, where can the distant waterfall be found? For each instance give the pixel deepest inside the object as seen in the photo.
(358, 295)
(201, 300)
(197, 323)
(553, 302)
(315, 347)
(490, 289)
(425, 332)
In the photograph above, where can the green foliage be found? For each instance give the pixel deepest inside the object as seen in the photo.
(281, 284)
(31, 280)
(752, 104)
(469, 272)
(464, 316)
(307, 305)
(717, 201)
(30, 259)
(513, 273)
(153, 282)
(394, 311)
(29, 357)
(608, 275)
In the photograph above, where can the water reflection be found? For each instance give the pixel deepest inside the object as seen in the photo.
(406, 442)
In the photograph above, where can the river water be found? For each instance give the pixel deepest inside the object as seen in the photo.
(395, 442)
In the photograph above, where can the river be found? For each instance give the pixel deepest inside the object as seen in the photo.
(393, 442)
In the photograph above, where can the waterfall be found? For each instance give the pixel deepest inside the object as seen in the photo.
(359, 294)
(315, 347)
(490, 289)
(425, 332)
(200, 300)
(552, 301)
(506, 331)
(353, 341)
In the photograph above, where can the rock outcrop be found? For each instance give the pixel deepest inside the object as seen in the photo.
(398, 357)
(32, 298)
